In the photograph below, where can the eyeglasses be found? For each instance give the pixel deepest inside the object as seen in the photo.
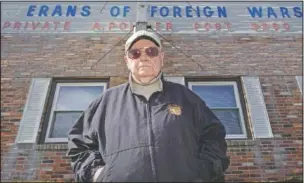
(136, 53)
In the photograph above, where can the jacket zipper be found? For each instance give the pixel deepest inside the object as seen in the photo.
(151, 141)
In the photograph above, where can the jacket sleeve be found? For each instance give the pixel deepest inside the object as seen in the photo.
(83, 146)
(212, 142)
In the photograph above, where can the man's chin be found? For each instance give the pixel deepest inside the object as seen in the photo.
(145, 74)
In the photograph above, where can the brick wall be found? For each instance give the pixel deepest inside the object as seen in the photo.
(275, 59)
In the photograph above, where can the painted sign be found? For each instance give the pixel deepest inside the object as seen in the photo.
(165, 17)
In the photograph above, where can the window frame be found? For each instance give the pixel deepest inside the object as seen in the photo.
(53, 99)
(244, 134)
(300, 82)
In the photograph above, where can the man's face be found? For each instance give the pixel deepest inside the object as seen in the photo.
(144, 65)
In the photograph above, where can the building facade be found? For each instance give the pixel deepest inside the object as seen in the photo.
(244, 61)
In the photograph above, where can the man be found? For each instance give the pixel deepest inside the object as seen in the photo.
(147, 129)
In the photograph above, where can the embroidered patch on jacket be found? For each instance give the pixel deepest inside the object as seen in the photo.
(175, 109)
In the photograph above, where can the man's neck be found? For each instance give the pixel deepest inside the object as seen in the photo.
(144, 80)
(146, 90)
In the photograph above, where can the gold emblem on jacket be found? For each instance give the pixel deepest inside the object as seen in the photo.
(175, 109)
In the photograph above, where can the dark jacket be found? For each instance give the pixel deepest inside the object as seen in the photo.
(172, 137)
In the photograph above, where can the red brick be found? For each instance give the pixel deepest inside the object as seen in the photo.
(283, 56)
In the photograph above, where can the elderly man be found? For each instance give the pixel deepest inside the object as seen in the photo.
(147, 129)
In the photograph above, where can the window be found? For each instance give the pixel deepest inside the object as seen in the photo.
(223, 99)
(70, 100)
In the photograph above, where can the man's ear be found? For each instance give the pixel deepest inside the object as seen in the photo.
(127, 62)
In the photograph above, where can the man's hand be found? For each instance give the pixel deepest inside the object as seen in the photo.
(97, 174)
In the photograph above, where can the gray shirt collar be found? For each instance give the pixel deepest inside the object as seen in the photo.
(146, 90)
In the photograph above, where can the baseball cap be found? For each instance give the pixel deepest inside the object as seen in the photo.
(142, 33)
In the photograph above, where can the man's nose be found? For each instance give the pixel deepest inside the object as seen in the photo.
(143, 57)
